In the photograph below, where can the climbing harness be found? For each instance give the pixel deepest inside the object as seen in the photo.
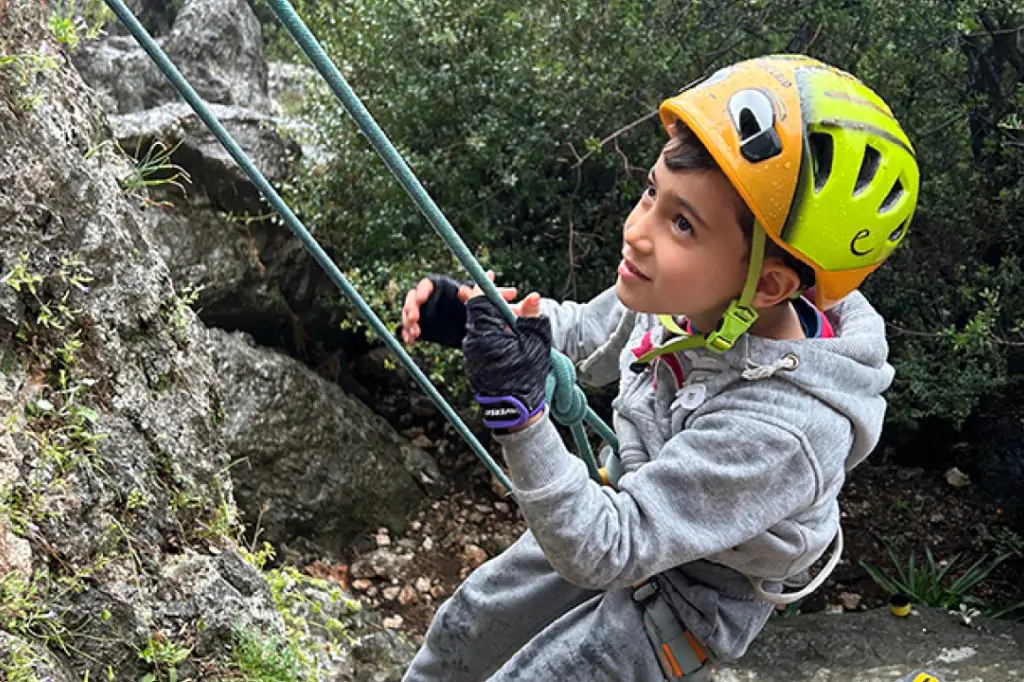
(567, 400)
(678, 651)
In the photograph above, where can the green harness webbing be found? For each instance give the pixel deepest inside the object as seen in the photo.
(568, 403)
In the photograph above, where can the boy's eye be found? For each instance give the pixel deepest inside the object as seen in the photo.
(683, 225)
(649, 192)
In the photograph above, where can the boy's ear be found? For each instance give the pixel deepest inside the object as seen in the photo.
(778, 282)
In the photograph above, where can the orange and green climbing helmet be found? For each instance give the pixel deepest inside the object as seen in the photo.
(817, 156)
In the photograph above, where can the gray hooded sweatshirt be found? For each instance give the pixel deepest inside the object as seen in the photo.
(731, 478)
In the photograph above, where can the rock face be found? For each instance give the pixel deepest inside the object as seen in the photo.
(213, 230)
(877, 647)
(117, 515)
(217, 45)
(315, 466)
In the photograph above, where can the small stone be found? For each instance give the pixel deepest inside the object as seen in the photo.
(379, 564)
(408, 595)
(383, 540)
(415, 526)
(392, 622)
(413, 432)
(937, 518)
(474, 555)
(501, 507)
(423, 584)
(372, 591)
(834, 609)
(850, 601)
(483, 508)
(428, 544)
(957, 478)
(391, 592)
(422, 407)
(475, 517)
(361, 585)
(422, 442)
(437, 592)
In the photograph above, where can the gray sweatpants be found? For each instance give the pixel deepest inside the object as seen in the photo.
(515, 618)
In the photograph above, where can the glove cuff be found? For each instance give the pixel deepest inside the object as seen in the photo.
(506, 412)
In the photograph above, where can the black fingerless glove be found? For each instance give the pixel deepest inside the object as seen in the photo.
(508, 368)
(443, 315)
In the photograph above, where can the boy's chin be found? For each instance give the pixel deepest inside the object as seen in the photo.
(637, 302)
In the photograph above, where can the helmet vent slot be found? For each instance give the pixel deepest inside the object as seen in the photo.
(868, 168)
(892, 197)
(896, 234)
(821, 155)
(749, 127)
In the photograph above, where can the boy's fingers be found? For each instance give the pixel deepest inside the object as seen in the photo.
(411, 309)
(531, 305)
(528, 307)
(423, 291)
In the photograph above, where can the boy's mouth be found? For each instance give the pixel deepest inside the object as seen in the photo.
(631, 272)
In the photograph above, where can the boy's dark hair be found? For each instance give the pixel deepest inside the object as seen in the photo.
(685, 151)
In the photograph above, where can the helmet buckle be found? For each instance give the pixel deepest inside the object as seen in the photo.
(734, 324)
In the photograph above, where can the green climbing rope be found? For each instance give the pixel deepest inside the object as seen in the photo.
(567, 399)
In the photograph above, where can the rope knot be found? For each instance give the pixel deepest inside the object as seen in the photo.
(567, 400)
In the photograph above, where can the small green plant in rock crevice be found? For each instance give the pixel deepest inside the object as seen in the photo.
(26, 69)
(257, 657)
(25, 608)
(295, 656)
(19, 664)
(164, 656)
(71, 24)
(57, 419)
(174, 311)
(154, 168)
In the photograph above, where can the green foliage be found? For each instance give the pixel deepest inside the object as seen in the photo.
(154, 168)
(258, 657)
(25, 70)
(163, 655)
(71, 23)
(19, 663)
(300, 600)
(929, 582)
(25, 607)
(519, 121)
(58, 421)
(174, 310)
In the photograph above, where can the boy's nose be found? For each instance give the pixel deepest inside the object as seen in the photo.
(637, 235)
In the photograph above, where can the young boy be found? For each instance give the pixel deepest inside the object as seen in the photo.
(741, 403)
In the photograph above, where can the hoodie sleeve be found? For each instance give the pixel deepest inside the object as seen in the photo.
(578, 329)
(726, 479)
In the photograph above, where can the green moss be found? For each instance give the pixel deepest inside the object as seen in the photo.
(258, 657)
(20, 663)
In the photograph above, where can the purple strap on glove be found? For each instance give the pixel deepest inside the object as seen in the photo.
(506, 412)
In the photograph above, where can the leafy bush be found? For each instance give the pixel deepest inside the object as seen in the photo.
(513, 118)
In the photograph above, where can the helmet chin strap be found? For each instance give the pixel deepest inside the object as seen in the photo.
(734, 323)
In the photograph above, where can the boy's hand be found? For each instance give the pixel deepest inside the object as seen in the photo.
(435, 309)
(507, 368)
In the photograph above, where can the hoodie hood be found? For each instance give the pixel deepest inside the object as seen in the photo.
(848, 372)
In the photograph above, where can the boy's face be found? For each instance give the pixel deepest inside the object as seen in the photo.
(683, 248)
